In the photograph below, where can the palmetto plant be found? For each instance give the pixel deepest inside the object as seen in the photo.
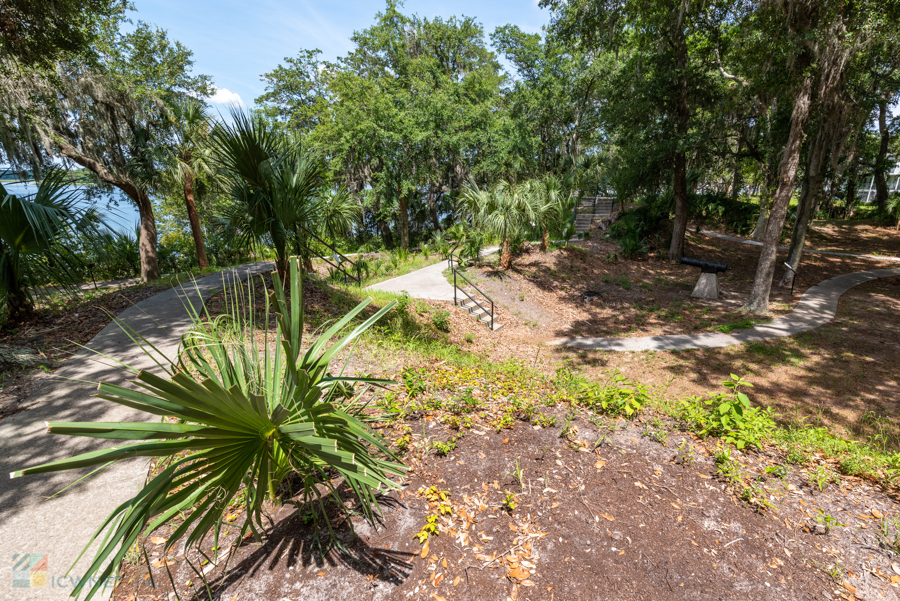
(237, 420)
(276, 188)
(549, 205)
(32, 232)
(504, 211)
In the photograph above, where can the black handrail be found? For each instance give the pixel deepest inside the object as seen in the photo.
(450, 261)
(334, 253)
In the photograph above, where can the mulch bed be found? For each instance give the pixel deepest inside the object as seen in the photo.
(56, 333)
(629, 519)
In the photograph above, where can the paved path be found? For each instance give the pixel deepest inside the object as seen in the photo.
(805, 250)
(30, 523)
(817, 307)
(428, 282)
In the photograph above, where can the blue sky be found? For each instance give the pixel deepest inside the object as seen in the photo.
(236, 41)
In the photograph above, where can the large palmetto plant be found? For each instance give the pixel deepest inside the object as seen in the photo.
(32, 232)
(237, 419)
(505, 212)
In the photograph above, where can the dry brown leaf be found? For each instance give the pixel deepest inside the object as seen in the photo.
(609, 517)
(158, 540)
(320, 574)
(704, 476)
(850, 587)
(424, 553)
(505, 440)
(438, 579)
(877, 514)
(456, 580)
(438, 597)
(599, 465)
(444, 562)
(896, 568)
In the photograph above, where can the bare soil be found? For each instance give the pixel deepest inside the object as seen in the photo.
(630, 519)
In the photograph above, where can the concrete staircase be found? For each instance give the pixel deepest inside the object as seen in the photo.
(470, 307)
(590, 211)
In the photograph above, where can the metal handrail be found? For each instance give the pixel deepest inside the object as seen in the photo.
(450, 261)
(337, 253)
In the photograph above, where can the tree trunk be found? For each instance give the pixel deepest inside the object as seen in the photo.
(147, 239)
(545, 239)
(881, 163)
(676, 249)
(852, 181)
(194, 218)
(18, 304)
(505, 255)
(404, 222)
(432, 206)
(737, 176)
(809, 202)
(787, 174)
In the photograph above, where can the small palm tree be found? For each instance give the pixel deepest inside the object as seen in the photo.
(238, 420)
(32, 235)
(273, 183)
(505, 213)
(187, 155)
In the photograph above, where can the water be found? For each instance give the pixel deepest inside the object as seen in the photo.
(118, 211)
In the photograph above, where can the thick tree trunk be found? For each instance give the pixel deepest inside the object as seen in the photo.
(404, 222)
(194, 218)
(808, 205)
(881, 163)
(147, 239)
(18, 304)
(787, 173)
(505, 255)
(545, 239)
(676, 248)
(737, 181)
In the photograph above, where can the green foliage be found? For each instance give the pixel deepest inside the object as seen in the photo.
(828, 521)
(236, 421)
(730, 417)
(509, 501)
(440, 319)
(545, 421)
(617, 396)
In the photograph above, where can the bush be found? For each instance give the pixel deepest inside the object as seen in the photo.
(728, 416)
(440, 319)
(237, 422)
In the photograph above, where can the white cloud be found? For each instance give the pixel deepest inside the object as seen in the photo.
(224, 96)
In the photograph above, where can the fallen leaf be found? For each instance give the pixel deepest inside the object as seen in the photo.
(640, 484)
(505, 440)
(158, 540)
(599, 465)
(895, 567)
(518, 573)
(704, 476)
(675, 506)
(895, 579)
(424, 553)
(438, 597)
(850, 587)
(159, 563)
(456, 580)
(695, 544)
(622, 552)
(438, 579)
(610, 518)
(877, 514)
(320, 574)
(444, 562)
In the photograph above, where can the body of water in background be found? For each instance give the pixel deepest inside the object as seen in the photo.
(119, 213)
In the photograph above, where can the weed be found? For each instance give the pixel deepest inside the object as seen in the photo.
(729, 417)
(442, 449)
(545, 421)
(828, 521)
(616, 397)
(507, 420)
(509, 501)
(775, 471)
(569, 429)
(428, 529)
(456, 422)
(518, 475)
(470, 337)
(414, 382)
(624, 282)
(821, 476)
(441, 320)
(656, 430)
(686, 452)
(889, 533)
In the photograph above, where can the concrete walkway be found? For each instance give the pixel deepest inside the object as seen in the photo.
(30, 522)
(805, 250)
(428, 282)
(817, 307)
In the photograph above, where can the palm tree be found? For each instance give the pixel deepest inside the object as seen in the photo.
(187, 156)
(32, 230)
(273, 184)
(504, 212)
(548, 205)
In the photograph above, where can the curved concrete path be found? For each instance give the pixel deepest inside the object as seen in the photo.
(817, 307)
(32, 524)
(428, 282)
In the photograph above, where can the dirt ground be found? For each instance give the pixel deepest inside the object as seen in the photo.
(855, 237)
(626, 517)
(644, 297)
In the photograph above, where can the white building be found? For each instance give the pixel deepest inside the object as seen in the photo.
(866, 191)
